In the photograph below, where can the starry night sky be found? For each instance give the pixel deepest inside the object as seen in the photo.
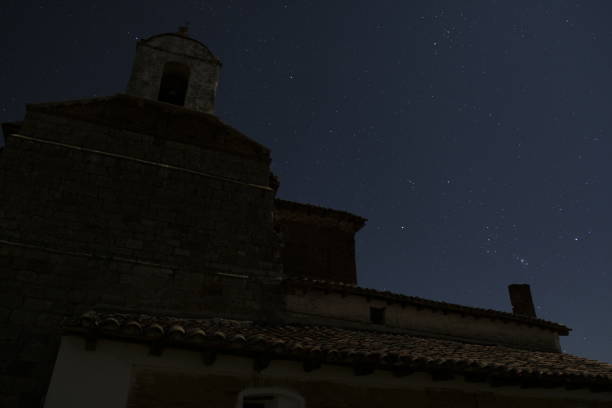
(476, 136)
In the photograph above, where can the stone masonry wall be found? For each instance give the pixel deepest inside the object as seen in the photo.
(318, 252)
(117, 140)
(80, 226)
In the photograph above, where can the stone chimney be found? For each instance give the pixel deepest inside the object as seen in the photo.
(520, 297)
(183, 30)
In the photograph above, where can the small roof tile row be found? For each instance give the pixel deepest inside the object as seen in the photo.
(341, 346)
(285, 205)
(347, 288)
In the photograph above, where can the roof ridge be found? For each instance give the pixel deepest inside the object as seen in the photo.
(317, 208)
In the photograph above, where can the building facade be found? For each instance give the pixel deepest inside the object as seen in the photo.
(146, 261)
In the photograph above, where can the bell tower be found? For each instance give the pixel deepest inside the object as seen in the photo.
(174, 68)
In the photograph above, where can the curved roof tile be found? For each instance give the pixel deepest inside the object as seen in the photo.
(335, 345)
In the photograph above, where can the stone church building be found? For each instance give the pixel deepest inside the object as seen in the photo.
(146, 262)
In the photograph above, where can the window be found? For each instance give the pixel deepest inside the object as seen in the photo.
(173, 86)
(258, 401)
(269, 397)
(377, 315)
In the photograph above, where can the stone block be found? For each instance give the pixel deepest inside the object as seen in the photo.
(9, 401)
(133, 244)
(4, 315)
(7, 383)
(34, 352)
(48, 320)
(33, 304)
(11, 300)
(10, 332)
(23, 317)
(20, 368)
(30, 399)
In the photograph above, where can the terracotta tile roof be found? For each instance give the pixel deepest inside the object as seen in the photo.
(292, 206)
(364, 350)
(347, 288)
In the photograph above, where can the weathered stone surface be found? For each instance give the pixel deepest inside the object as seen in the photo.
(202, 69)
(82, 227)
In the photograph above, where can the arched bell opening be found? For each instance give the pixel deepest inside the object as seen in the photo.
(173, 87)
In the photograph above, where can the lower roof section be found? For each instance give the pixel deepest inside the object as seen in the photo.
(364, 351)
(121, 374)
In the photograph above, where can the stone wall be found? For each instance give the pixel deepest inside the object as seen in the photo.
(132, 227)
(318, 243)
(318, 252)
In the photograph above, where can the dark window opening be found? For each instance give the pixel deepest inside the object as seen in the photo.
(271, 397)
(260, 401)
(377, 315)
(250, 404)
(173, 87)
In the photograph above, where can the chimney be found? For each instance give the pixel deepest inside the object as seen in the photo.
(183, 30)
(520, 297)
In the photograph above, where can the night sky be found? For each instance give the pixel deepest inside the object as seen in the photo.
(475, 136)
